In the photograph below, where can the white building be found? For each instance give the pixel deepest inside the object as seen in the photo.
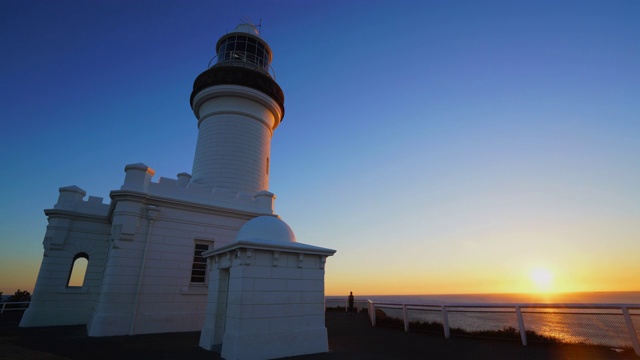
(158, 249)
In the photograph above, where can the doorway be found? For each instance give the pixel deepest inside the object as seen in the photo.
(221, 309)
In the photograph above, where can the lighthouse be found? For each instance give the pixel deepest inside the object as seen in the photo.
(238, 105)
(201, 252)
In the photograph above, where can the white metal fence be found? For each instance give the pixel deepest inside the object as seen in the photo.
(335, 303)
(613, 325)
(13, 306)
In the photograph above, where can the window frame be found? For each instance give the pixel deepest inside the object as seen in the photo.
(76, 257)
(196, 265)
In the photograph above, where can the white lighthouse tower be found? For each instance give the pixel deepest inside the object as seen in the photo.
(266, 290)
(238, 106)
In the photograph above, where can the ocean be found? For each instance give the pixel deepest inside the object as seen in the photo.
(591, 326)
(606, 297)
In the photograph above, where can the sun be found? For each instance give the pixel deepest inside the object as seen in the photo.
(542, 279)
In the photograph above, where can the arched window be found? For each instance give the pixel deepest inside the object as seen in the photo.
(78, 270)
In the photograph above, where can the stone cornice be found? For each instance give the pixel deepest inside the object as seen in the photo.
(260, 244)
(124, 195)
(73, 214)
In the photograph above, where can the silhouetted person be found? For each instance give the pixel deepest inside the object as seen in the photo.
(350, 303)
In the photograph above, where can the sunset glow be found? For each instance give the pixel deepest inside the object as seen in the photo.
(542, 280)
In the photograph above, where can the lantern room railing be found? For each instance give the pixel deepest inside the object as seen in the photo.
(242, 63)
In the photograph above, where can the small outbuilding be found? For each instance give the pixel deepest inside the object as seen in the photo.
(266, 297)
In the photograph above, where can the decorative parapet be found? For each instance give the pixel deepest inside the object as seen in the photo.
(71, 199)
(264, 199)
(139, 177)
(183, 180)
(70, 207)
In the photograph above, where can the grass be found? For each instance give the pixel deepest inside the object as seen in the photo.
(507, 333)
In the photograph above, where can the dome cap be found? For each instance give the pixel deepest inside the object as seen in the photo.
(247, 28)
(266, 228)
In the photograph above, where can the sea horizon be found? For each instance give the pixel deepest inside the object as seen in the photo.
(587, 297)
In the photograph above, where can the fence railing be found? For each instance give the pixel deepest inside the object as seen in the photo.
(13, 306)
(614, 325)
(358, 305)
(243, 63)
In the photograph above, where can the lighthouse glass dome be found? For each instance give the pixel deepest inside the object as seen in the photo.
(244, 50)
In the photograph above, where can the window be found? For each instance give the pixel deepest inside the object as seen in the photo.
(199, 268)
(244, 49)
(78, 270)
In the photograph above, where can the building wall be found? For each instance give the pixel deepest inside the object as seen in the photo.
(165, 300)
(272, 303)
(140, 249)
(146, 287)
(75, 227)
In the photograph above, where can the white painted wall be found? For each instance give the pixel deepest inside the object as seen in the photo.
(273, 305)
(118, 236)
(147, 286)
(75, 226)
(236, 124)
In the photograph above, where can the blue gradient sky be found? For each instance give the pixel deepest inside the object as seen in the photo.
(439, 146)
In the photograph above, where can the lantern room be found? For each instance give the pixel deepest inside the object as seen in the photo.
(244, 47)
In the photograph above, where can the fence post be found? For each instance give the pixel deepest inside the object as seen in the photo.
(405, 317)
(3, 305)
(523, 331)
(632, 330)
(445, 322)
(372, 312)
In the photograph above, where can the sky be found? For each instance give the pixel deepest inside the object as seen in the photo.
(441, 147)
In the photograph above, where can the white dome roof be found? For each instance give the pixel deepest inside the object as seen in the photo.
(268, 228)
(247, 28)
